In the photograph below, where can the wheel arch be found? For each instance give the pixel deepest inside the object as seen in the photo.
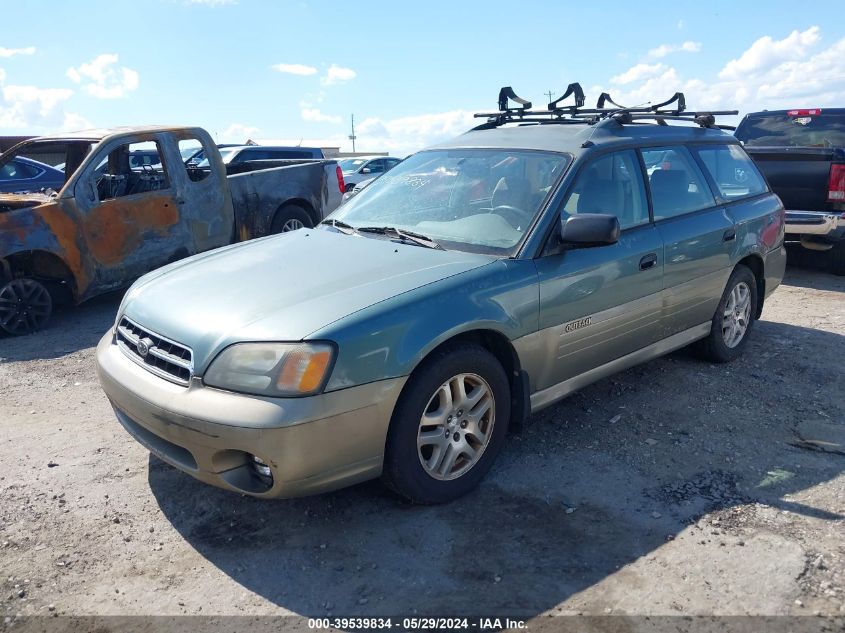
(298, 202)
(755, 263)
(41, 265)
(500, 346)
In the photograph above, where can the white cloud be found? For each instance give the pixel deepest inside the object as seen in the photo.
(11, 52)
(237, 133)
(100, 78)
(29, 108)
(777, 74)
(766, 53)
(338, 75)
(295, 69)
(314, 114)
(665, 49)
(637, 73)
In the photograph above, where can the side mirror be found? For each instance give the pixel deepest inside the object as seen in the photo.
(366, 170)
(589, 229)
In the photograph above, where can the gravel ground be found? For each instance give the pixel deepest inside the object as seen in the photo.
(677, 487)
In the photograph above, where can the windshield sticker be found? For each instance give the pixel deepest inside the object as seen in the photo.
(802, 120)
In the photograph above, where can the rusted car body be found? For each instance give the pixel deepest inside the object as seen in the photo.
(111, 223)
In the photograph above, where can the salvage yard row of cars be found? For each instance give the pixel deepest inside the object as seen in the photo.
(403, 335)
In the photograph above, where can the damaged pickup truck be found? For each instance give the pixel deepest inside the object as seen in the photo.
(114, 220)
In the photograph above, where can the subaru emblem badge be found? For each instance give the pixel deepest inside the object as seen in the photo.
(143, 348)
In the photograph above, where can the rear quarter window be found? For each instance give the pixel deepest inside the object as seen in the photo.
(732, 170)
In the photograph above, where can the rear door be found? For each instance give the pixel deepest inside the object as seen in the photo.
(698, 237)
(598, 304)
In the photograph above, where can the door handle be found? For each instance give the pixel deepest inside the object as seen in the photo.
(729, 235)
(648, 261)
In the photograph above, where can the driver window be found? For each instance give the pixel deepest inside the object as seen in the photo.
(612, 184)
(131, 169)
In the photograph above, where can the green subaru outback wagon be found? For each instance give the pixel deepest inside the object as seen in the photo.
(477, 282)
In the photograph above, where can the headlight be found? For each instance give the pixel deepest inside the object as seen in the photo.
(272, 369)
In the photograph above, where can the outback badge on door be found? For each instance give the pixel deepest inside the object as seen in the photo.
(577, 325)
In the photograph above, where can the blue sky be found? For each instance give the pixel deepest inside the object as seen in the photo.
(412, 72)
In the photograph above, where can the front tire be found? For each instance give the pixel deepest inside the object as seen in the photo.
(25, 306)
(448, 426)
(733, 319)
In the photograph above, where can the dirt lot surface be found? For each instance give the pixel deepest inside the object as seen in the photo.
(677, 487)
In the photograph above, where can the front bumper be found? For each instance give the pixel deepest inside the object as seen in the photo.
(822, 223)
(311, 444)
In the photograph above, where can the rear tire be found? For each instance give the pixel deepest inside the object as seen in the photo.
(448, 426)
(837, 258)
(733, 320)
(290, 218)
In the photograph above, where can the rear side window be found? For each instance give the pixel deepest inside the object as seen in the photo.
(677, 184)
(732, 170)
(15, 169)
(612, 184)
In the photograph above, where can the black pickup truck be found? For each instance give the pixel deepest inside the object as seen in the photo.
(802, 154)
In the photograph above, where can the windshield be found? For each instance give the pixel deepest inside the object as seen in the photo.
(189, 152)
(226, 154)
(351, 164)
(800, 130)
(475, 200)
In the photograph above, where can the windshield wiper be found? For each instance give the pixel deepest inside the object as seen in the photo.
(341, 226)
(406, 236)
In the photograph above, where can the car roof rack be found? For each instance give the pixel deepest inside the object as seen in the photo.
(577, 113)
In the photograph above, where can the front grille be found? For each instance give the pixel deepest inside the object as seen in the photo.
(163, 357)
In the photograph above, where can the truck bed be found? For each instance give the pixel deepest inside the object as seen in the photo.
(259, 189)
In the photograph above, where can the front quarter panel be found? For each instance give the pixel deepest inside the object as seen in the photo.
(389, 339)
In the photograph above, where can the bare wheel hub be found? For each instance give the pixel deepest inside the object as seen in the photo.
(456, 426)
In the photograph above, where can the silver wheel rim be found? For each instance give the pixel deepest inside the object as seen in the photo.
(292, 225)
(456, 426)
(737, 315)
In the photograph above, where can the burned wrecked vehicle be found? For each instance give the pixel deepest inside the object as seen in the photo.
(116, 218)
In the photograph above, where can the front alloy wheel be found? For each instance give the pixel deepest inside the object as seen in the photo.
(448, 425)
(456, 426)
(25, 306)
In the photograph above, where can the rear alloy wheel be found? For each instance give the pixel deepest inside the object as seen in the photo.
(25, 306)
(290, 218)
(733, 319)
(448, 425)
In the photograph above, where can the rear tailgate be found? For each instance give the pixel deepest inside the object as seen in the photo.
(799, 175)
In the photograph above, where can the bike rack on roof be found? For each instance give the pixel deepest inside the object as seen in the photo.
(576, 113)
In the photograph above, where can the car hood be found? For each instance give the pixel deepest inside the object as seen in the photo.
(281, 288)
(11, 201)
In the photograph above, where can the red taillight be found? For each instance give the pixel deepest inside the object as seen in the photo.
(340, 184)
(813, 112)
(836, 184)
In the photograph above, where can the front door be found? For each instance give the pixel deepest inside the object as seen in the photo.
(598, 304)
(130, 217)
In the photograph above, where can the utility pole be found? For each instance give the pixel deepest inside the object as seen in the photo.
(551, 94)
(352, 136)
